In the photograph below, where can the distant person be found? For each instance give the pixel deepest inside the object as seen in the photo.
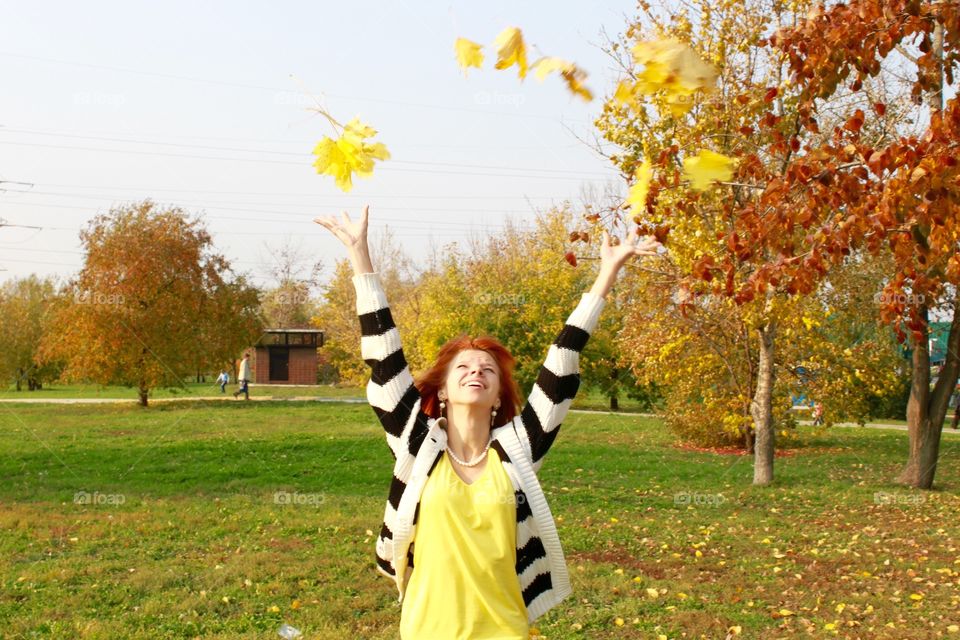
(818, 414)
(244, 377)
(956, 415)
(222, 380)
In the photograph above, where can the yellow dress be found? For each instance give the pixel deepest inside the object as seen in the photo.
(464, 583)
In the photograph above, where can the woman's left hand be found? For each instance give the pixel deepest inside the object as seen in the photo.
(615, 256)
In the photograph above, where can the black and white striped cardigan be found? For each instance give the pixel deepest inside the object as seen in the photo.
(417, 444)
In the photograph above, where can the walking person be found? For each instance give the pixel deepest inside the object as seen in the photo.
(467, 535)
(222, 380)
(243, 377)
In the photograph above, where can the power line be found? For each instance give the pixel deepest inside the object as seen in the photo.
(304, 217)
(301, 194)
(5, 223)
(388, 168)
(283, 153)
(240, 85)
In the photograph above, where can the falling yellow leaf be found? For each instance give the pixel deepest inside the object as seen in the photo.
(468, 54)
(618, 622)
(625, 94)
(511, 51)
(786, 613)
(653, 593)
(672, 66)
(637, 198)
(573, 75)
(349, 154)
(706, 167)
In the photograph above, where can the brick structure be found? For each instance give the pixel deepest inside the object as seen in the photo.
(286, 356)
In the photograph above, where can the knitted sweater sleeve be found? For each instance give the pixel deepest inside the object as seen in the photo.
(390, 391)
(559, 378)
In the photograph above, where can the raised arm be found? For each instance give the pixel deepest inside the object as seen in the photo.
(391, 391)
(559, 377)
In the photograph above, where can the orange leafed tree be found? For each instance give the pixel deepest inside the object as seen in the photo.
(895, 193)
(149, 301)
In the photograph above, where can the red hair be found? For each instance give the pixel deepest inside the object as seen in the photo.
(434, 379)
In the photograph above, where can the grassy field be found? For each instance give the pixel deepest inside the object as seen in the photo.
(226, 520)
(190, 390)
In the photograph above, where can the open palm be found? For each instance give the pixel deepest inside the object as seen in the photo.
(614, 256)
(352, 234)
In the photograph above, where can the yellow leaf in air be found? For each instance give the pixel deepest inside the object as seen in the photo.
(626, 94)
(638, 191)
(349, 154)
(573, 75)
(706, 167)
(672, 66)
(468, 54)
(511, 51)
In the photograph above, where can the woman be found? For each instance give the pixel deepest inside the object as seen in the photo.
(467, 535)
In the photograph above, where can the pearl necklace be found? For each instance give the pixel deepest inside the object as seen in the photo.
(473, 462)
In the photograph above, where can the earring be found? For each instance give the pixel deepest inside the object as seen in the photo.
(493, 415)
(442, 420)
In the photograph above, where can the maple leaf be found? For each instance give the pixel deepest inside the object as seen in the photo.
(573, 75)
(349, 154)
(706, 167)
(511, 50)
(638, 191)
(468, 54)
(672, 66)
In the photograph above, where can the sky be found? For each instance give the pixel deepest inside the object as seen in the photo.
(208, 106)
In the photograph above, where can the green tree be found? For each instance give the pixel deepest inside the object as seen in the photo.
(25, 305)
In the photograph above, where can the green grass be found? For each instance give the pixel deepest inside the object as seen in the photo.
(199, 548)
(190, 390)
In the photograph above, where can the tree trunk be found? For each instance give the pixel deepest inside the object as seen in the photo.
(926, 409)
(614, 401)
(19, 378)
(762, 408)
(142, 391)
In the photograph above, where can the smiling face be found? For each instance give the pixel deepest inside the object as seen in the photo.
(473, 378)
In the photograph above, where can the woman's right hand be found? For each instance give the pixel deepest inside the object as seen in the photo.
(352, 234)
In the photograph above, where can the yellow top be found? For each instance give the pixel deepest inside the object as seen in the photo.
(464, 582)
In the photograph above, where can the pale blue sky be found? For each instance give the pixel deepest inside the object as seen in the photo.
(106, 102)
